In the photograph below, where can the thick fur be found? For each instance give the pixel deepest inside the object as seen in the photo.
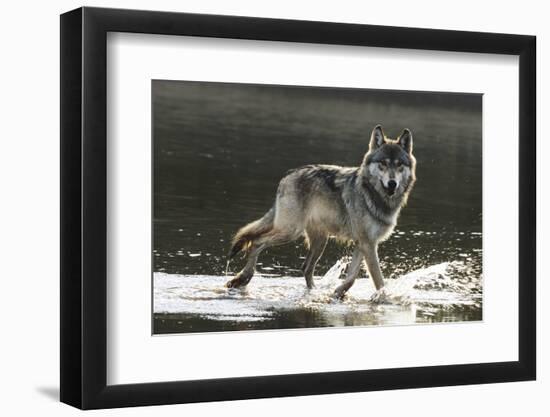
(354, 204)
(253, 230)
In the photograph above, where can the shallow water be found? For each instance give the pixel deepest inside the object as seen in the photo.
(219, 152)
(447, 292)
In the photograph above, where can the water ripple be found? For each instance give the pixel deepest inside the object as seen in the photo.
(441, 292)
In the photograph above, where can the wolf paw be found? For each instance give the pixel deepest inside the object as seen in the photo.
(240, 280)
(380, 296)
(339, 294)
(232, 283)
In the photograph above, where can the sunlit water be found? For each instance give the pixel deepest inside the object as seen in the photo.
(442, 292)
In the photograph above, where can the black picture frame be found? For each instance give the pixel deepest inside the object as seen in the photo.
(84, 207)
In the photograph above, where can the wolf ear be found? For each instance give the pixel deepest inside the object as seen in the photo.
(377, 137)
(406, 140)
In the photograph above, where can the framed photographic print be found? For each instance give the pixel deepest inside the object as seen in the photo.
(258, 207)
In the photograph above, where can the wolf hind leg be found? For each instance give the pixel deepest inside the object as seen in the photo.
(317, 243)
(246, 274)
(353, 271)
(272, 238)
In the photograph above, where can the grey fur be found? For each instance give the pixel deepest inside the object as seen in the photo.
(354, 204)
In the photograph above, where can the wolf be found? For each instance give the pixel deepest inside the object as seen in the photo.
(358, 205)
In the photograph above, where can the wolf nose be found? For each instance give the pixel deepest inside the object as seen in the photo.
(392, 184)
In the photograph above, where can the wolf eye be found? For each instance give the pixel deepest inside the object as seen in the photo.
(382, 165)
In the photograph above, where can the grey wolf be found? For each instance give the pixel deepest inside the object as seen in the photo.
(359, 205)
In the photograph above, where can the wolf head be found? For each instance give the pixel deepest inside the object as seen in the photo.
(389, 165)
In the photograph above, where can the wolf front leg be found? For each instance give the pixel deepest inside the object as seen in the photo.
(353, 271)
(370, 252)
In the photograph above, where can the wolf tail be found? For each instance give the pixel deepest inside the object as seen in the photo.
(252, 231)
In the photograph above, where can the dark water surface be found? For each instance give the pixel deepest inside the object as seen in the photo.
(219, 152)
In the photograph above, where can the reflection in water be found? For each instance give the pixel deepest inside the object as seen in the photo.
(219, 152)
(437, 293)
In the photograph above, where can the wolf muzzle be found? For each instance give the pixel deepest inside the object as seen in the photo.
(391, 187)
